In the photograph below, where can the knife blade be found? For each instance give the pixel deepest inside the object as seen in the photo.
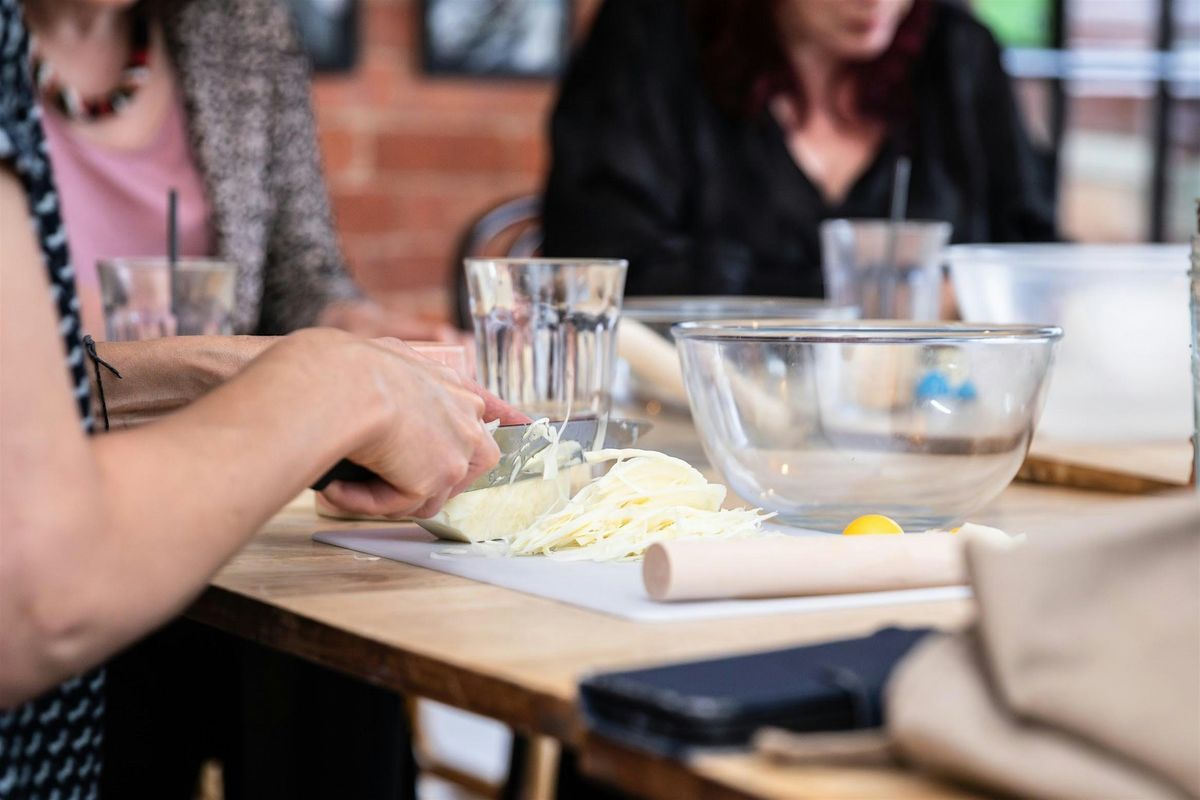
(518, 448)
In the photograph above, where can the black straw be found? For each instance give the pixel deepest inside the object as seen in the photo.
(896, 215)
(900, 180)
(172, 240)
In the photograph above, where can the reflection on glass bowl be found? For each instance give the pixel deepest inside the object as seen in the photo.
(647, 371)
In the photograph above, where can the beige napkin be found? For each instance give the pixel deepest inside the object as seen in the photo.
(1082, 678)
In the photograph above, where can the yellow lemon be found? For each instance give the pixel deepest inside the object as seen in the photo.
(872, 524)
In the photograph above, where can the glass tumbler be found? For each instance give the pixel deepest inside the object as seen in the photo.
(545, 331)
(145, 299)
(888, 270)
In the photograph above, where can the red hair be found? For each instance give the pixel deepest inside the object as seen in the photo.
(744, 62)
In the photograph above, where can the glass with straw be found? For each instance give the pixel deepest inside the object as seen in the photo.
(152, 297)
(887, 268)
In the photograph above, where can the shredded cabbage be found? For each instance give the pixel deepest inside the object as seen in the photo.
(646, 497)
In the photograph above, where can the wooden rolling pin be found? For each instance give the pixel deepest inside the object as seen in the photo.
(796, 566)
(652, 359)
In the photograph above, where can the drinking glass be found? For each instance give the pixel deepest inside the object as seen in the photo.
(144, 298)
(888, 270)
(545, 331)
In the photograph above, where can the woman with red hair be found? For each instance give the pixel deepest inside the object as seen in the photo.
(705, 140)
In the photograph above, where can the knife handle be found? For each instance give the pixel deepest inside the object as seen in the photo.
(345, 471)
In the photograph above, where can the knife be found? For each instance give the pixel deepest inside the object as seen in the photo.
(518, 448)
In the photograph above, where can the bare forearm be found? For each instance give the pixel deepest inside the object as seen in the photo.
(250, 447)
(102, 538)
(163, 506)
(164, 375)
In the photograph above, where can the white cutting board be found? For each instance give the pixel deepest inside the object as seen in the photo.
(610, 588)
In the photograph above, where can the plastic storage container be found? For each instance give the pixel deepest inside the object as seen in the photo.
(1122, 371)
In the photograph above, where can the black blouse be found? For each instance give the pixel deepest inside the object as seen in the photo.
(647, 167)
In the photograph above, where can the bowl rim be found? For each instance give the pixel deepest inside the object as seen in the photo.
(679, 307)
(862, 331)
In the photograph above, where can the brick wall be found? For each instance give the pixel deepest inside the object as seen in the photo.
(410, 159)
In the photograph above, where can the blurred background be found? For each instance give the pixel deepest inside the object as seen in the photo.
(432, 111)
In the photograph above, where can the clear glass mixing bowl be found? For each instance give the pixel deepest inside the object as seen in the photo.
(826, 421)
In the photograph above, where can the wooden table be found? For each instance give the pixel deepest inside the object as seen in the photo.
(518, 658)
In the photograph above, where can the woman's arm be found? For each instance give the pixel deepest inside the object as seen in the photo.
(102, 539)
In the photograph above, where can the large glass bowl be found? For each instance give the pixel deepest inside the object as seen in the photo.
(825, 421)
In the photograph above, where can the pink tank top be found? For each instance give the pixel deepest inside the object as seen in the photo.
(114, 202)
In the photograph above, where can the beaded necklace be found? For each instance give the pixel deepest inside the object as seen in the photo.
(75, 106)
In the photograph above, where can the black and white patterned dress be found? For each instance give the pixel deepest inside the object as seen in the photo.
(49, 747)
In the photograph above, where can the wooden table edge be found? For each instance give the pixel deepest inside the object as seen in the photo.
(385, 665)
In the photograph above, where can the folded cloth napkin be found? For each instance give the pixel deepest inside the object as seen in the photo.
(1081, 678)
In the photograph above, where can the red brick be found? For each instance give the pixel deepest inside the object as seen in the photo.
(411, 159)
(383, 84)
(336, 92)
(426, 302)
(428, 210)
(446, 153)
(338, 148)
(367, 213)
(411, 273)
(389, 25)
(530, 154)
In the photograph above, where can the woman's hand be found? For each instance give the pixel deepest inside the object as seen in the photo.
(428, 442)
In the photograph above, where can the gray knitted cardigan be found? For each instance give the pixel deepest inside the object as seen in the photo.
(245, 84)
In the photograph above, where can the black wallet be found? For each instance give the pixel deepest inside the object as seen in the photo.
(823, 687)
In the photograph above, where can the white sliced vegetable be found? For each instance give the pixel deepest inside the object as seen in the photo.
(499, 511)
(646, 497)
